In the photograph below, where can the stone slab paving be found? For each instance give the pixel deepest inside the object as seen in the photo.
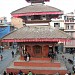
(65, 61)
(7, 59)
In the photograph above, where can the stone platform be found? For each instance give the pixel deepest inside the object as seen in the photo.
(37, 66)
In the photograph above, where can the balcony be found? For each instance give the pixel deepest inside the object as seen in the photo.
(70, 30)
(69, 21)
(37, 21)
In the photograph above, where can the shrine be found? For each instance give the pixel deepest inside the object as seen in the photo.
(37, 38)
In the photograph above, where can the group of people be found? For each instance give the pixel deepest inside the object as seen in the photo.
(11, 73)
(52, 55)
(19, 73)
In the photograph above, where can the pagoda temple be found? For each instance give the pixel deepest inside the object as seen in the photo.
(38, 38)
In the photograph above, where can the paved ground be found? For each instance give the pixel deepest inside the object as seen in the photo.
(65, 61)
(7, 59)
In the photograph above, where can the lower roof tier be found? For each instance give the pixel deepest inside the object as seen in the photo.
(37, 33)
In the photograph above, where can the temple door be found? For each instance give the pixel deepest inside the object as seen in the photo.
(37, 51)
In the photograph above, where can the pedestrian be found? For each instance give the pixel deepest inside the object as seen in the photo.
(30, 73)
(63, 57)
(1, 57)
(25, 56)
(73, 68)
(12, 54)
(2, 48)
(4, 73)
(28, 56)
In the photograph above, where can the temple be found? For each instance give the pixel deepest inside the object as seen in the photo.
(38, 38)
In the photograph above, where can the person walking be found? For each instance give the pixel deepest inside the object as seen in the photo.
(1, 57)
(73, 68)
(12, 54)
(25, 56)
(4, 73)
(28, 56)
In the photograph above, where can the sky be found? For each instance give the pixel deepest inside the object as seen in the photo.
(7, 6)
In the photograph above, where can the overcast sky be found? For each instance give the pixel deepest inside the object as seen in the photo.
(7, 6)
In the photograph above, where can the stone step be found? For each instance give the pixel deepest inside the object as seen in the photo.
(37, 63)
(35, 58)
(37, 70)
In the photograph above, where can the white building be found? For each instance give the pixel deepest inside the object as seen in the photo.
(66, 22)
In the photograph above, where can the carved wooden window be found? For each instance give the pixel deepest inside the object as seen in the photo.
(37, 49)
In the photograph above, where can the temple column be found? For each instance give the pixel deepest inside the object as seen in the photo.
(8, 45)
(42, 51)
(24, 49)
(53, 48)
(64, 47)
(31, 51)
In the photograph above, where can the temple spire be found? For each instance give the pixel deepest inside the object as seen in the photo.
(37, 1)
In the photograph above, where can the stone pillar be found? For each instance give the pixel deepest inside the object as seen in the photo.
(42, 51)
(53, 48)
(64, 50)
(31, 51)
(24, 49)
(8, 45)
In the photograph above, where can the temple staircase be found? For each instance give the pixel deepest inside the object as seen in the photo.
(37, 66)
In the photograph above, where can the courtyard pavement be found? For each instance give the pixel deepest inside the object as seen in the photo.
(7, 60)
(65, 60)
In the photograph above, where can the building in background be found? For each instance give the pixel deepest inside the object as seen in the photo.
(17, 22)
(66, 22)
(69, 28)
(58, 22)
(5, 28)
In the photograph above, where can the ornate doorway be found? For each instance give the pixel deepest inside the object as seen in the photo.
(37, 51)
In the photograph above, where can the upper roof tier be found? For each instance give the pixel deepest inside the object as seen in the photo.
(36, 9)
